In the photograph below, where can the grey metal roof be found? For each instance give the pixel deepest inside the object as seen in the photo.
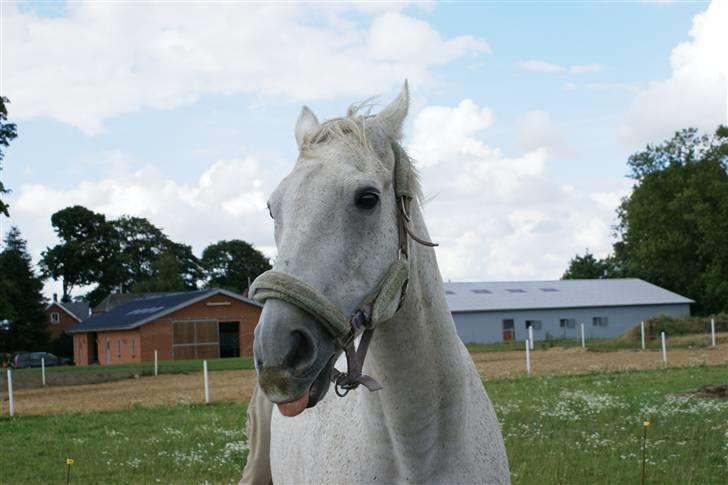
(138, 312)
(524, 295)
(80, 309)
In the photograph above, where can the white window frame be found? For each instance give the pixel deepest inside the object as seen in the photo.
(55, 318)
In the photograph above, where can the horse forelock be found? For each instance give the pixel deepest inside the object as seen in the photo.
(352, 131)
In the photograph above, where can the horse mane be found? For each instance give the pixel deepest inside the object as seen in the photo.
(352, 128)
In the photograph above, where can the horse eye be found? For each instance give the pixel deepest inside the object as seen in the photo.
(367, 200)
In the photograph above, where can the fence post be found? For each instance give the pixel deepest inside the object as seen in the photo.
(712, 331)
(530, 336)
(207, 387)
(528, 358)
(10, 393)
(42, 367)
(156, 363)
(664, 349)
(583, 343)
(642, 332)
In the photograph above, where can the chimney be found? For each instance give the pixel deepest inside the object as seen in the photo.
(55, 297)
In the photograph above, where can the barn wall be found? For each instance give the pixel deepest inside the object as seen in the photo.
(124, 347)
(484, 327)
(157, 335)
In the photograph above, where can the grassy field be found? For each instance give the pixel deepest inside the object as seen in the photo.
(186, 443)
(558, 429)
(625, 342)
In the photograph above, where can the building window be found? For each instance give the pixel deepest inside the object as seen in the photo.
(600, 321)
(536, 324)
(118, 346)
(133, 347)
(55, 318)
(567, 323)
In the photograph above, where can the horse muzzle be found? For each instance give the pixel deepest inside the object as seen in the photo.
(293, 357)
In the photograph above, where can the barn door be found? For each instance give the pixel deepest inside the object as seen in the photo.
(508, 330)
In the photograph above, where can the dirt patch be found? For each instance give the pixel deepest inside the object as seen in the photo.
(710, 390)
(238, 385)
(128, 393)
(493, 365)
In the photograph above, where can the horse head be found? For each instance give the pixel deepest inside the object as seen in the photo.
(339, 234)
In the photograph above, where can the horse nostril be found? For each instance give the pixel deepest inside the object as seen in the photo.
(302, 353)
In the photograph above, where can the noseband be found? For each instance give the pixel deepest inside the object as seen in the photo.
(378, 307)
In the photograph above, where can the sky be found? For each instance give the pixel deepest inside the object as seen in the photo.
(522, 117)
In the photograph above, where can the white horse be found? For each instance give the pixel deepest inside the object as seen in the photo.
(348, 245)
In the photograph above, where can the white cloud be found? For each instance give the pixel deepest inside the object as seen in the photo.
(542, 66)
(695, 93)
(501, 217)
(104, 59)
(441, 133)
(536, 129)
(586, 68)
(227, 201)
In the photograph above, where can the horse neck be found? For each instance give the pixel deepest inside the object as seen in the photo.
(417, 355)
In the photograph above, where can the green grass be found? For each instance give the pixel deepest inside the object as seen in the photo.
(588, 429)
(170, 444)
(558, 429)
(147, 368)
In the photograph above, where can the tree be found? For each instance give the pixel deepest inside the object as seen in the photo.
(233, 264)
(8, 132)
(176, 269)
(589, 267)
(84, 251)
(674, 225)
(21, 300)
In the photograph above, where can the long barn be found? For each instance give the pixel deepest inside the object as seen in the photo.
(503, 311)
(186, 325)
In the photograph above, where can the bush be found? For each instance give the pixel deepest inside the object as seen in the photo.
(684, 325)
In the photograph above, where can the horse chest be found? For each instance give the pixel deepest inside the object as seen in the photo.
(335, 443)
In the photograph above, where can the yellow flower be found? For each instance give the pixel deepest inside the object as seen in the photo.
(646, 424)
(69, 461)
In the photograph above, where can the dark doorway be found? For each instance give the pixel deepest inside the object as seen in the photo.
(229, 339)
(93, 348)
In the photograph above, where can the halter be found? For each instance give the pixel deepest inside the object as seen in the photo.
(378, 307)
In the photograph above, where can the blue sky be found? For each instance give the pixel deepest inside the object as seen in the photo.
(522, 113)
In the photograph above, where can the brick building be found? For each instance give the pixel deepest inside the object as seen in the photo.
(64, 316)
(186, 325)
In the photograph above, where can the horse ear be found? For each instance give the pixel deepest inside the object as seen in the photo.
(392, 117)
(306, 124)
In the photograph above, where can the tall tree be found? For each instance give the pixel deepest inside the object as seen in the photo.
(21, 300)
(589, 267)
(8, 131)
(176, 269)
(233, 264)
(674, 225)
(84, 251)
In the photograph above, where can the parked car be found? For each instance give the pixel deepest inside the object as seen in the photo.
(33, 359)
